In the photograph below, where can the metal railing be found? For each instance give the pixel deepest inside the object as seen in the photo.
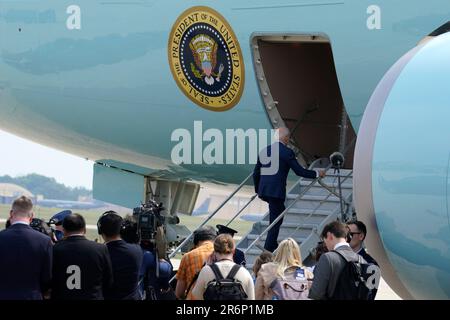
(299, 196)
(243, 208)
(331, 192)
(185, 241)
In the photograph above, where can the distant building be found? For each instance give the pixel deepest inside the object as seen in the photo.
(9, 192)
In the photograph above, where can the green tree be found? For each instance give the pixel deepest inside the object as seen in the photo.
(48, 187)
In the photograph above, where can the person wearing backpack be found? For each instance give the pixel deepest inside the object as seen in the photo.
(358, 232)
(192, 262)
(284, 278)
(224, 279)
(339, 274)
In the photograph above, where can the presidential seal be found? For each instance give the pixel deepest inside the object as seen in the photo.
(206, 60)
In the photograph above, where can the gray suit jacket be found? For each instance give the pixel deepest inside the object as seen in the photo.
(327, 271)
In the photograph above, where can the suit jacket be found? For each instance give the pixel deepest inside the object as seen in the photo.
(274, 186)
(239, 257)
(126, 260)
(77, 257)
(26, 263)
(327, 272)
(363, 253)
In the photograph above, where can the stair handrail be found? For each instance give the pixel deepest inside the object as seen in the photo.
(185, 241)
(303, 219)
(242, 209)
(331, 191)
(300, 195)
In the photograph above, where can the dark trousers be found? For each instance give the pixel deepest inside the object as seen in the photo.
(276, 207)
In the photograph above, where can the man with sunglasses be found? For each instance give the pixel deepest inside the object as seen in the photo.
(357, 232)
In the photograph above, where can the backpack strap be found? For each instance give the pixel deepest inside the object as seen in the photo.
(347, 261)
(233, 272)
(192, 282)
(341, 255)
(194, 279)
(217, 272)
(346, 258)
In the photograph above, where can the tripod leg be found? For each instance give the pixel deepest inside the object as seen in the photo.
(340, 194)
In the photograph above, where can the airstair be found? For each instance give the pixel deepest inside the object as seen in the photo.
(310, 205)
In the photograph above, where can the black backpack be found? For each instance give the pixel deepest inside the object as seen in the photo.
(352, 282)
(224, 288)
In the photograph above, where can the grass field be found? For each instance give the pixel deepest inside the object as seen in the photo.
(91, 217)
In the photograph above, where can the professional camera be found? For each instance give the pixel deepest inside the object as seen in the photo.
(42, 227)
(150, 227)
(149, 219)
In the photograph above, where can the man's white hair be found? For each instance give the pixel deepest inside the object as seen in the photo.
(281, 132)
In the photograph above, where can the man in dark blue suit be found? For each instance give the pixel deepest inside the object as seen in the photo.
(26, 256)
(270, 178)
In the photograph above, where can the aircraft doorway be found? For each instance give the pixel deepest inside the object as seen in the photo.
(298, 84)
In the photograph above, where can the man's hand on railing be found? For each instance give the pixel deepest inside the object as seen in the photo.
(322, 173)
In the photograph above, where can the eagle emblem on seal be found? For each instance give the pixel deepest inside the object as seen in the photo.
(204, 51)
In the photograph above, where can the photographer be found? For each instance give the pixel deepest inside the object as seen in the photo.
(126, 259)
(153, 285)
(40, 226)
(43, 227)
(57, 220)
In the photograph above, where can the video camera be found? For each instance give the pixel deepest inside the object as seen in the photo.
(43, 227)
(149, 219)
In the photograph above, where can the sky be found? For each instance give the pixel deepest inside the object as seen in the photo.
(20, 157)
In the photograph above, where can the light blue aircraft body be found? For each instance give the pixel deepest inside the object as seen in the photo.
(104, 91)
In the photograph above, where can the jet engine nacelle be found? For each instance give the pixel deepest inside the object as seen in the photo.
(401, 179)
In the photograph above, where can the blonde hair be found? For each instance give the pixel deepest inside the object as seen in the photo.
(22, 207)
(224, 244)
(287, 256)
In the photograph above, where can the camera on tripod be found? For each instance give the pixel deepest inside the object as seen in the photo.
(149, 219)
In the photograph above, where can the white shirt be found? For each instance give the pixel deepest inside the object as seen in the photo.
(20, 222)
(206, 275)
(76, 235)
(341, 244)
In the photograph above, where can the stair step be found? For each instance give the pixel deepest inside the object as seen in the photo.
(252, 237)
(343, 172)
(345, 185)
(292, 225)
(253, 252)
(301, 211)
(308, 197)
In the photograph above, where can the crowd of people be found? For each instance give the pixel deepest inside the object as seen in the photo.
(281, 275)
(71, 267)
(36, 265)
